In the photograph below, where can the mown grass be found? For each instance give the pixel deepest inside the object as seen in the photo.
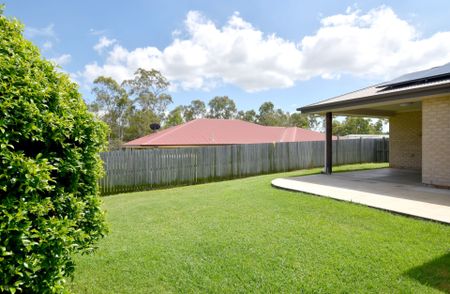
(246, 236)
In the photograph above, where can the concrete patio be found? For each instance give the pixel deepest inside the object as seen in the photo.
(396, 190)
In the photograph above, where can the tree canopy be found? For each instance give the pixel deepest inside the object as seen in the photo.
(222, 107)
(269, 116)
(50, 167)
(175, 117)
(196, 109)
(148, 88)
(249, 115)
(357, 125)
(131, 106)
(112, 99)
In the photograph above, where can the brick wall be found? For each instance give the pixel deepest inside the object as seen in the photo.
(436, 141)
(405, 140)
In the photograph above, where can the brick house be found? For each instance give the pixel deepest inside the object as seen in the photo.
(418, 108)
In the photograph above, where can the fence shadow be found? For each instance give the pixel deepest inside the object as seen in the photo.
(435, 273)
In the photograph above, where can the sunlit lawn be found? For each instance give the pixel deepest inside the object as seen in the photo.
(246, 236)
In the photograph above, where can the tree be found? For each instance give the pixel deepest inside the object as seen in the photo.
(196, 109)
(50, 167)
(303, 121)
(356, 125)
(269, 116)
(150, 101)
(298, 120)
(249, 115)
(112, 104)
(378, 126)
(148, 89)
(139, 124)
(175, 117)
(130, 118)
(222, 107)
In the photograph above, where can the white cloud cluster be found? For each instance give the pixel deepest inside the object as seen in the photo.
(104, 43)
(375, 44)
(121, 63)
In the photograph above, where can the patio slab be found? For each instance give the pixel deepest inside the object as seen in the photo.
(390, 189)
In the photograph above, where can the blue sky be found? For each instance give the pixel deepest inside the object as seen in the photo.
(292, 54)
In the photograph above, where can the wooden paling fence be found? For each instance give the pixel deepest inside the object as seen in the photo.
(144, 169)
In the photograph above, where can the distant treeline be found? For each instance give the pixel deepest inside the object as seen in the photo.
(131, 106)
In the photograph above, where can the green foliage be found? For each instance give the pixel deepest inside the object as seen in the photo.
(138, 125)
(357, 125)
(303, 121)
(175, 117)
(249, 115)
(130, 107)
(222, 107)
(49, 158)
(196, 109)
(269, 116)
(148, 88)
(113, 100)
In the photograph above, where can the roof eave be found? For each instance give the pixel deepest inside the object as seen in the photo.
(380, 98)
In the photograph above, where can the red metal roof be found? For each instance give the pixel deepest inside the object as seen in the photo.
(224, 132)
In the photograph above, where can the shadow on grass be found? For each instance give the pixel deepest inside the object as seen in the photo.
(435, 273)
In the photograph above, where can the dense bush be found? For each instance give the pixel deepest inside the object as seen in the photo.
(49, 204)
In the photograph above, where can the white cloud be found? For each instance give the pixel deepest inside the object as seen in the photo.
(62, 59)
(121, 63)
(104, 43)
(95, 32)
(47, 32)
(375, 44)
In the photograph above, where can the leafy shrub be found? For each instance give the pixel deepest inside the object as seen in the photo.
(49, 203)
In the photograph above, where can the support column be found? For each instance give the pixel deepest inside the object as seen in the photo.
(328, 143)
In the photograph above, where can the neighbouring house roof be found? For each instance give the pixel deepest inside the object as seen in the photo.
(224, 132)
(431, 82)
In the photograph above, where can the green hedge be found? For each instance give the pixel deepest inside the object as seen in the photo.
(50, 165)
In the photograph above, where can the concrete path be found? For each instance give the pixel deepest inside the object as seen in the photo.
(389, 189)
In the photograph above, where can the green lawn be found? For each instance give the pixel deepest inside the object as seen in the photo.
(245, 236)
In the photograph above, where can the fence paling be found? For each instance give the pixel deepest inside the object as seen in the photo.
(134, 170)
